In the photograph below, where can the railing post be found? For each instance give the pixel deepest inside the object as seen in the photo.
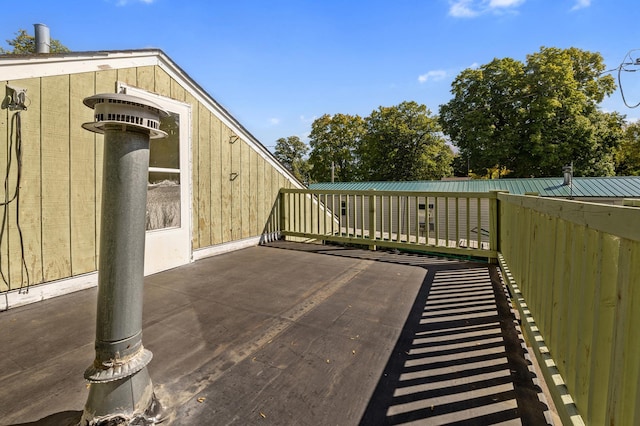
(284, 217)
(372, 222)
(494, 222)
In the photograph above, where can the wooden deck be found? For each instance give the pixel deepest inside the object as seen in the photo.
(294, 334)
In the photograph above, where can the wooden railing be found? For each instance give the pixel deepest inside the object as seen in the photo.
(574, 272)
(453, 223)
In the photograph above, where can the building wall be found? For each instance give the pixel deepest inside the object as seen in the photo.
(60, 192)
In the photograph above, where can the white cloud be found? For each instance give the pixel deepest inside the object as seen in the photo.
(126, 2)
(307, 120)
(494, 4)
(434, 75)
(274, 121)
(581, 4)
(472, 8)
(462, 9)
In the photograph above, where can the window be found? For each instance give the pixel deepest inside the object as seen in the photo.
(163, 191)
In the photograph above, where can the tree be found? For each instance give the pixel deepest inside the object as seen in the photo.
(628, 154)
(482, 118)
(404, 143)
(290, 152)
(606, 135)
(26, 44)
(334, 142)
(532, 118)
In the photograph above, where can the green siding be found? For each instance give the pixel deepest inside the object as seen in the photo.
(61, 185)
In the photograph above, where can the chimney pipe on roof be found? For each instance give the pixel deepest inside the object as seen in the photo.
(567, 171)
(43, 38)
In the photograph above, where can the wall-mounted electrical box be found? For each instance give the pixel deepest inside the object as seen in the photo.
(15, 99)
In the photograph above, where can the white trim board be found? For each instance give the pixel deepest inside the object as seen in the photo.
(203, 253)
(39, 292)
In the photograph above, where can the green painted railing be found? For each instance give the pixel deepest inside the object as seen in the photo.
(574, 271)
(450, 223)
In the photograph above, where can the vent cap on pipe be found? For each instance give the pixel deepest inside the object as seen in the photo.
(131, 112)
(567, 173)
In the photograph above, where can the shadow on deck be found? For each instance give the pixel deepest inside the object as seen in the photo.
(306, 336)
(460, 358)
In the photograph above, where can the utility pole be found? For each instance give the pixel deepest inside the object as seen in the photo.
(121, 391)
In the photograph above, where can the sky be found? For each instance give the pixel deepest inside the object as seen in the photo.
(278, 65)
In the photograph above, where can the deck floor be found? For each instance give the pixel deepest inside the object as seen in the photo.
(293, 334)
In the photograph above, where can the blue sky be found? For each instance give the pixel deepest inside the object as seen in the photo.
(277, 65)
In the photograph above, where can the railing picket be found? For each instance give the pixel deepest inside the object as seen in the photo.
(308, 202)
(428, 219)
(436, 220)
(347, 214)
(375, 216)
(446, 221)
(362, 222)
(457, 242)
(398, 218)
(468, 223)
(479, 224)
(316, 197)
(407, 208)
(372, 221)
(381, 216)
(390, 215)
(416, 216)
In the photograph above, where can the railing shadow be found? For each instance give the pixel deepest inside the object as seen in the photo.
(459, 358)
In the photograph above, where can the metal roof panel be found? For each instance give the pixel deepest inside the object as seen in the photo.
(601, 187)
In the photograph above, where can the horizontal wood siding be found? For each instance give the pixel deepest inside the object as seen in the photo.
(234, 188)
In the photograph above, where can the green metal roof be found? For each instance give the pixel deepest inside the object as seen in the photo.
(604, 187)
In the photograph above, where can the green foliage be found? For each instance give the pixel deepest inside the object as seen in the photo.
(628, 154)
(482, 118)
(334, 142)
(290, 152)
(532, 118)
(460, 166)
(404, 143)
(24, 43)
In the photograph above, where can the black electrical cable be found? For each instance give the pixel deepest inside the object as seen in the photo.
(18, 180)
(621, 68)
(16, 127)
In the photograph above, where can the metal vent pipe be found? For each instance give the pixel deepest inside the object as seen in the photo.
(567, 173)
(121, 388)
(43, 38)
